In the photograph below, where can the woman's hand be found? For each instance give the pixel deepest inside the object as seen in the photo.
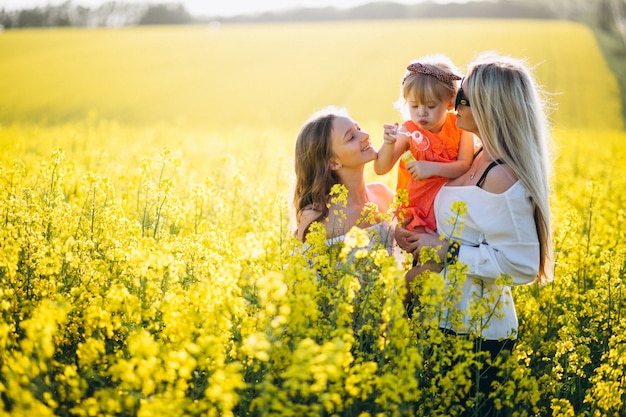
(405, 238)
(413, 241)
(430, 238)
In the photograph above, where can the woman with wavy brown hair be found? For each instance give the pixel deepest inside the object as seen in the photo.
(332, 149)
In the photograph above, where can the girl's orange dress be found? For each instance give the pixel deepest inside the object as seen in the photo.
(436, 147)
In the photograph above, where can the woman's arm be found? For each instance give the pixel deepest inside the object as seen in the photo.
(489, 261)
(499, 235)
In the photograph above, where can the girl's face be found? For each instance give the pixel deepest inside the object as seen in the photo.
(430, 115)
(351, 146)
(464, 116)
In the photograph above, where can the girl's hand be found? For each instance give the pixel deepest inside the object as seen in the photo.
(390, 133)
(420, 170)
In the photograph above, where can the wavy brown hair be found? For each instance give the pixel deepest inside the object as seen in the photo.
(314, 177)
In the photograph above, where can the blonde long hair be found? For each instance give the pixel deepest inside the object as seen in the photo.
(509, 111)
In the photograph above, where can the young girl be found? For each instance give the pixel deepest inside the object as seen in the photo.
(440, 150)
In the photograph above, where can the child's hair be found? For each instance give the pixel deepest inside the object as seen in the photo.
(430, 78)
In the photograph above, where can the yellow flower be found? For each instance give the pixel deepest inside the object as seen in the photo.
(257, 346)
(90, 351)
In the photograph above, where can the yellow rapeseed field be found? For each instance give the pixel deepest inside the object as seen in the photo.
(147, 265)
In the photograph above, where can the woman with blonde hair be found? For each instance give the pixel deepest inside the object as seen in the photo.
(505, 219)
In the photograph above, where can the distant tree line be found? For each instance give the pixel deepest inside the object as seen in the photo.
(109, 14)
(609, 15)
(612, 17)
(523, 9)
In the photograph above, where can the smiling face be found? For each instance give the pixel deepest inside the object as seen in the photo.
(351, 146)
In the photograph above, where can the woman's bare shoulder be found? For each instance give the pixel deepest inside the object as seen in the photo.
(380, 194)
(499, 179)
(379, 188)
(307, 216)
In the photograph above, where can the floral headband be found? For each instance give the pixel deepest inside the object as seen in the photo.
(446, 77)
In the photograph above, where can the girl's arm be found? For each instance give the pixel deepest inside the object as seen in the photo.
(425, 169)
(391, 149)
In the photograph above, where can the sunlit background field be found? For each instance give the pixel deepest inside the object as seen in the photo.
(250, 87)
(146, 246)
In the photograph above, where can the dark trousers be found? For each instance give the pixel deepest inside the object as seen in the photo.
(483, 378)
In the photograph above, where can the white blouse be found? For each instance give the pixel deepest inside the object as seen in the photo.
(379, 233)
(498, 237)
